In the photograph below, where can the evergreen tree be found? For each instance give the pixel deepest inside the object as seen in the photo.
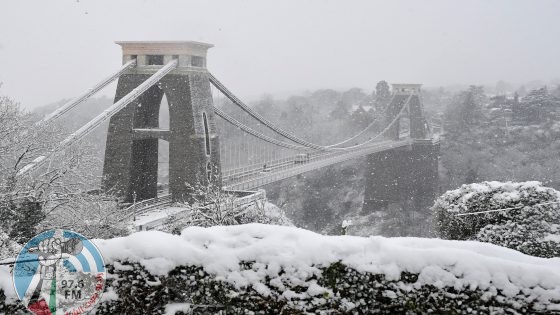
(382, 96)
(360, 118)
(26, 215)
(470, 112)
(300, 115)
(265, 105)
(354, 96)
(471, 175)
(556, 92)
(555, 99)
(340, 111)
(521, 91)
(536, 106)
(516, 107)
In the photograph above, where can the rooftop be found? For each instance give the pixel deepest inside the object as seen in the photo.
(164, 47)
(406, 85)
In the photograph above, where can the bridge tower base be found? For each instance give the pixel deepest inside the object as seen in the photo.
(131, 154)
(406, 175)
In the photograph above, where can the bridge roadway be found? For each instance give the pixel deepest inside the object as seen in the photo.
(235, 174)
(257, 176)
(249, 178)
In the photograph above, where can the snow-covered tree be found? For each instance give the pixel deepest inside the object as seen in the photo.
(26, 199)
(340, 111)
(465, 110)
(353, 97)
(92, 215)
(470, 112)
(212, 206)
(359, 119)
(556, 92)
(19, 210)
(382, 96)
(536, 106)
(8, 248)
(524, 216)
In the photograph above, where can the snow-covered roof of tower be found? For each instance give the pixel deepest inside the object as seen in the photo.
(406, 85)
(164, 48)
(406, 88)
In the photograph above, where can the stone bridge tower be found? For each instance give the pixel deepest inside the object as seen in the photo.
(131, 156)
(407, 176)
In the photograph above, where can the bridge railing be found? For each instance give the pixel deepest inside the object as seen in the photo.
(247, 199)
(144, 206)
(250, 198)
(259, 178)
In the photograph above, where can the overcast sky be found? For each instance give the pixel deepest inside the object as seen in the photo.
(58, 48)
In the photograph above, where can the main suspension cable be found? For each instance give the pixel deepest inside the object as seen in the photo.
(286, 134)
(260, 118)
(253, 132)
(397, 117)
(360, 133)
(99, 119)
(74, 102)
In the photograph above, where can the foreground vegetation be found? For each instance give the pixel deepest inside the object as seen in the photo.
(264, 269)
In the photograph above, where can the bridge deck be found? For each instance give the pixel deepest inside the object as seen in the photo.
(260, 176)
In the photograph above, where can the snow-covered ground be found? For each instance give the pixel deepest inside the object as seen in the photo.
(219, 250)
(156, 218)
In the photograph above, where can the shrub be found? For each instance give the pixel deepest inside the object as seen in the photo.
(338, 290)
(212, 206)
(263, 269)
(530, 222)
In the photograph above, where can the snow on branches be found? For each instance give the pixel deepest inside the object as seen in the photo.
(524, 216)
(212, 206)
(8, 248)
(265, 269)
(26, 200)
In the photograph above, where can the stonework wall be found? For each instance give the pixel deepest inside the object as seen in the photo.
(408, 176)
(405, 175)
(117, 168)
(417, 121)
(130, 168)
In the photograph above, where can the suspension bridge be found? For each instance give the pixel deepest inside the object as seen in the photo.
(234, 146)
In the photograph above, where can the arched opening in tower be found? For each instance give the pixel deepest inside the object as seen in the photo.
(206, 134)
(163, 148)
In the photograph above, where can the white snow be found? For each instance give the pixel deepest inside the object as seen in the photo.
(219, 250)
(173, 308)
(276, 214)
(552, 238)
(440, 262)
(6, 284)
(157, 215)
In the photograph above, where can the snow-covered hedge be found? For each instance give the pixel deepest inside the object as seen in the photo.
(271, 269)
(531, 223)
